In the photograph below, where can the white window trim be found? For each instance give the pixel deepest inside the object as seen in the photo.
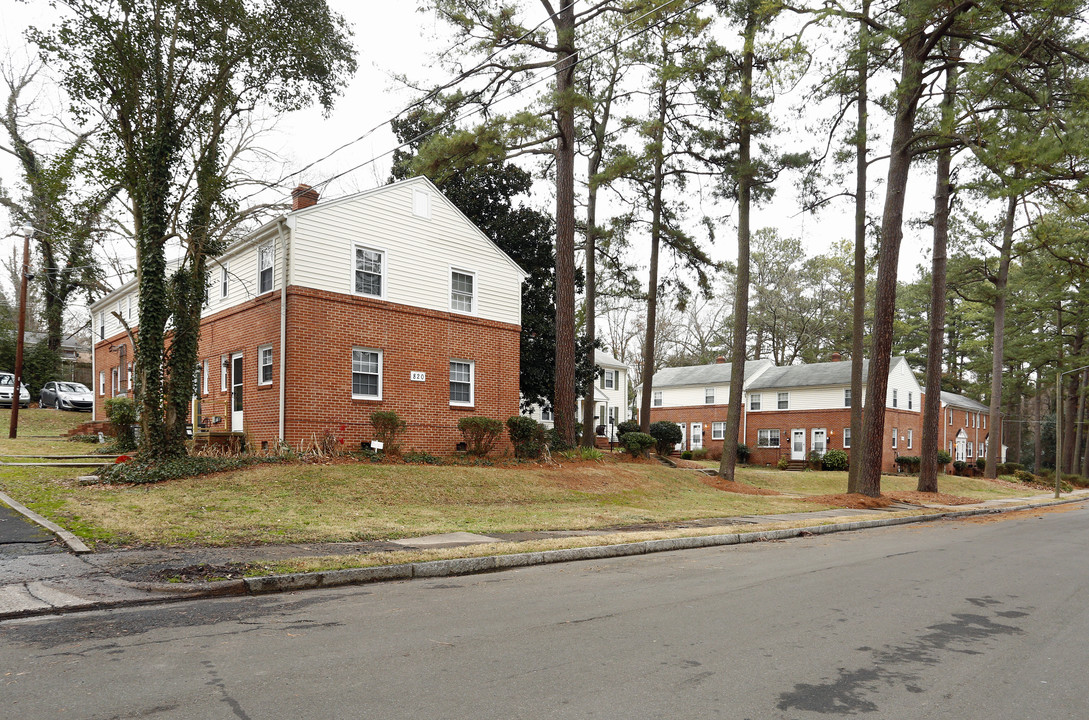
(910, 438)
(102, 383)
(381, 369)
(101, 326)
(718, 431)
(895, 437)
(224, 280)
(709, 396)
(846, 438)
(767, 433)
(261, 367)
(472, 382)
(474, 300)
(847, 399)
(895, 397)
(911, 400)
(351, 273)
(224, 364)
(779, 401)
(204, 378)
(656, 398)
(130, 307)
(418, 193)
(755, 397)
(546, 414)
(272, 285)
(115, 380)
(609, 379)
(129, 371)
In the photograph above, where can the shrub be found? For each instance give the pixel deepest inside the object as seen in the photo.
(783, 463)
(121, 412)
(421, 458)
(480, 433)
(1012, 468)
(1047, 473)
(981, 462)
(815, 460)
(686, 455)
(582, 453)
(387, 426)
(714, 452)
(556, 442)
(835, 460)
(626, 427)
(700, 454)
(959, 467)
(83, 438)
(139, 473)
(743, 453)
(909, 463)
(666, 434)
(944, 458)
(527, 436)
(637, 443)
(1024, 477)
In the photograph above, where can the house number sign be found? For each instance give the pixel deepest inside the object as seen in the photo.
(417, 376)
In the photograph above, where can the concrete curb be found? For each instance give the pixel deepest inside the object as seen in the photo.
(74, 543)
(173, 592)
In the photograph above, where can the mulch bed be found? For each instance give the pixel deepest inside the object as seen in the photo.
(854, 501)
(917, 498)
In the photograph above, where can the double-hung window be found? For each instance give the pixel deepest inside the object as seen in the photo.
(847, 397)
(784, 401)
(266, 256)
(366, 373)
(224, 363)
(894, 398)
(767, 438)
(224, 287)
(101, 382)
(608, 380)
(461, 382)
(895, 435)
(657, 398)
(968, 448)
(462, 291)
(204, 378)
(846, 438)
(754, 401)
(546, 414)
(718, 431)
(370, 268)
(709, 396)
(101, 326)
(911, 400)
(264, 367)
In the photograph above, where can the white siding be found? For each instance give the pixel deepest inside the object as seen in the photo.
(902, 379)
(692, 395)
(419, 252)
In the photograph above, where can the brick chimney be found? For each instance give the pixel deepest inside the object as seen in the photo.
(720, 360)
(836, 357)
(303, 196)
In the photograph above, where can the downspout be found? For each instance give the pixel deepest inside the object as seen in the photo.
(283, 323)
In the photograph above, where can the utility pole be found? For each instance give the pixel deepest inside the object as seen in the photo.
(13, 430)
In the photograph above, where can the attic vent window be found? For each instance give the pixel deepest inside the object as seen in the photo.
(421, 204)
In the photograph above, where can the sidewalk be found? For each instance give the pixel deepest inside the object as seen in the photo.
(50, 580)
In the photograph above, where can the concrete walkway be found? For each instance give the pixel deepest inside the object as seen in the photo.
(40, 577)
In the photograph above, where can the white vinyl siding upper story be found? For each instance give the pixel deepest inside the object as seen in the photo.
(419, 253)
(685, 395)
(831, 397)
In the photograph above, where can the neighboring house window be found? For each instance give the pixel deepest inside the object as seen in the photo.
(461, 291)
(608, 380)
(709, 396)
(894, 402)
(895, 435)
(266, 256)
(846, 438)
(224, 287)
(102, 382)
(421, 204)
(366, 373)
(129, 370)
(223, 364)
(767, 438)
(718, 431)
(369, 269)
(784, 401)
(264, 360)
(950, 417)
(911, 433)
(911, 400)
(613, 415)
(461, 382)
(847, 397)
(102, 326)
(754, 402)
(204, 378)
(130, 307)
(966, 416)
(984, 422)
(115, 381)
(546, 414)
(657, 398)
(968, 448)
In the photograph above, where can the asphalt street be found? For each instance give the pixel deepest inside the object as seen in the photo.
(19, 536)
(981, 618)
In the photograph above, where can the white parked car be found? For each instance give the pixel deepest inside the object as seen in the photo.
(7, 384)
(66, 396)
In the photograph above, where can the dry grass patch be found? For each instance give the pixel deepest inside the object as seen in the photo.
(826, 483)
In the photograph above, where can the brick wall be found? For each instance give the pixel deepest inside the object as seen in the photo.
(322, 329)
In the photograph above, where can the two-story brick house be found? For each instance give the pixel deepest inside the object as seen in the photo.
(388, 299)
(964, 434)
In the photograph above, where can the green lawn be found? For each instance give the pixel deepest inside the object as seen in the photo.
(40, 432)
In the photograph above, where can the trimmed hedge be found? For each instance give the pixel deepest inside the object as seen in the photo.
(480, 433)
(637, 443)
(666, 434)
(527, 436)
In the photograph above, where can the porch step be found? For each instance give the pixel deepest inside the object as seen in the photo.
(797, 465)
(92, 427)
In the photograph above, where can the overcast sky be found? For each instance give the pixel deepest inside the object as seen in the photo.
(393, 38)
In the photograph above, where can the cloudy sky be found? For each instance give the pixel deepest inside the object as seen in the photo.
(394, 39)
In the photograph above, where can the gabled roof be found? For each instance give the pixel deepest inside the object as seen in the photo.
(964, 403)
(604, 359)
(814, 375)
(711, 374)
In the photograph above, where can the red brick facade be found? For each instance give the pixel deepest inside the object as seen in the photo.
(322, 330)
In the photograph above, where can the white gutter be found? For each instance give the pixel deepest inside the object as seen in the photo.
(283, 322)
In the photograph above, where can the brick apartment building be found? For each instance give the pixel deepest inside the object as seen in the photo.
(389, 299)
(964, 434)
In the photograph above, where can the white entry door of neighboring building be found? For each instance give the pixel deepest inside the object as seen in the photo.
(962, 447)
(697, 436)
(237, 377)
(818, 440)
(680, 448)
(797, 444)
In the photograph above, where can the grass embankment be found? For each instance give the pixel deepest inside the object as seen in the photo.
(40, 432)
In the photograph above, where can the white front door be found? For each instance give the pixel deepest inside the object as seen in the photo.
(797, 445)
(697, 436)
(681, 446)
(818, 440)
(237, 376)
(962, 447)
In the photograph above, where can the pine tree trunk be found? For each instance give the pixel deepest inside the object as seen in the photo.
(1038, 445)
(928, 461)
(564, 410)
(994, 449)
(858, 310)
(728, 463)
(1079, 425)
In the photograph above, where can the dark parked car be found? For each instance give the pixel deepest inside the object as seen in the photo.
(66, 396)
(7, 381)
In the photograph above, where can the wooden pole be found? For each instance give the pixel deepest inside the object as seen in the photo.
(13, 430)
